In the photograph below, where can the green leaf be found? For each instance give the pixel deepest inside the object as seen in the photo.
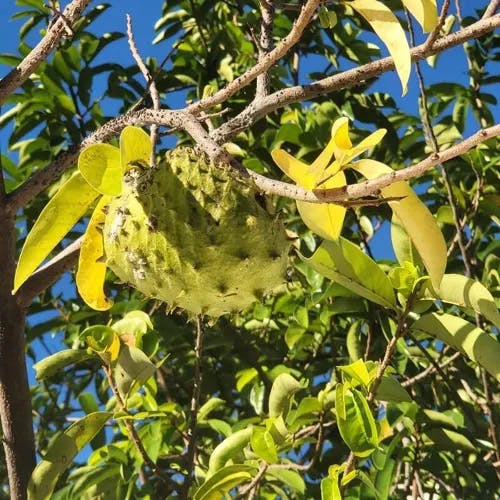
(358, 428)
(353, 341)
(132, 367)
(208, 407)
(230, 447)
(263, 445)
(224, 480)
(103, 340)
(330, 489)
(465, 292)
(446, 439)
(60, 214)
(134, 324)
(61, 453)
(100, 166)
(282, 390)
(391, 390)
(357, 371)
(289, 477)
(387, 27)
(52, 364)
(475, 343)
(344, 263)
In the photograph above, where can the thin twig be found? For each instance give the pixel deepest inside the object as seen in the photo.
(155, 96)
(250, 490)
(133, 433)
(435, 32)
(429, 370)
(40, 52)
(264, 64)
(195, 403)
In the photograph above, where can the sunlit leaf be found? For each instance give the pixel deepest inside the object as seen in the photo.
(475, 343)
(60, 214)
(100, 166)
(465, 292)
(263, 445)
(344, 263)
(103, 340)
(135, 147)
(356, 371)
(389, 30)
(227, 478)
(61, 453)
(91, 271)
(424, 11)
(51, 365)
(414, 216)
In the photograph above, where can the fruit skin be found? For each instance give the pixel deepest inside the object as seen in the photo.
(192, 235)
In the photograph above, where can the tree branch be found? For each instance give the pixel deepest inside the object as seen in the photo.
(195, 403)
(47, 44)
(263, 65)
(346, 79)
(265, 44)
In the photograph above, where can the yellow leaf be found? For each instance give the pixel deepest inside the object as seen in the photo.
(135, 147)
(100, 166)
(295, 169)
(387, 27)
(415, 217)
(324, 219)
(60, 214)
(424, 11)
(91, 268)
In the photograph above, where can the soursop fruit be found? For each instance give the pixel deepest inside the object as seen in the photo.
(190, 234)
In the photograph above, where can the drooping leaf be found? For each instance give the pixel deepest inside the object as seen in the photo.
(91, 271)
(61, 453)
(100, 166)
(424, 11)
(389, 30)
(330, 489)
(358, 429)
(60, 214)
(50, 365)
(446, 439)
(474, 342)
(225, 479)
(282, 390)
(465, 292)
(289, 477)
(391, 390)
(135, 147)
(344, 263)
(415, 218)
(227, 449)
(325, 219)
(132, 367)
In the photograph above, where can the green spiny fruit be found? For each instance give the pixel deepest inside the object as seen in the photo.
(192, 235)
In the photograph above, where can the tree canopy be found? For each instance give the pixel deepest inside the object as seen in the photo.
(343, 193)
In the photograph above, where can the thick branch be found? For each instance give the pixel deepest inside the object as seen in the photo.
(45, 177)
(32, 61)
(345, 79)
